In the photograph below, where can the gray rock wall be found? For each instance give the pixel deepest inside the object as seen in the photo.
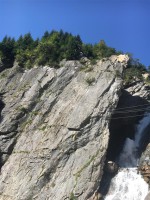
(54, 129)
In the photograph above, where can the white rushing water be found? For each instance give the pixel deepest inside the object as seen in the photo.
(128, 184)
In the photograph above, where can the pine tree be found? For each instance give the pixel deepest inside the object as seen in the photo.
(7, 51)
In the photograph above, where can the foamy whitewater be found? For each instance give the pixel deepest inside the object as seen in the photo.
(128, 184)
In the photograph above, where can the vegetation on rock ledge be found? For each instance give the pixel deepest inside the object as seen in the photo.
(134, 72)
(55, 46)
(50, 49)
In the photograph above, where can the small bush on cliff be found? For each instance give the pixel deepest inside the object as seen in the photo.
(147, 81)
(134, 72)
(90, 80)
(72, 196)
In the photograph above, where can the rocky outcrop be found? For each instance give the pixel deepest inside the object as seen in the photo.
(54, 129)
(133, 103)
(139, 89)
(144, 166)
(135, 99)
(142, 90)
(111, 167)
(145, 171)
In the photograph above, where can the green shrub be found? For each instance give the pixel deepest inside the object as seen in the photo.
(93, 62)
(132, 74)
(72, 196)
(90, 80)
(118, 74)
(147, 81)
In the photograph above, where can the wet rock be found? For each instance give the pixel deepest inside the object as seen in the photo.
(97, 196)
(147, 197)
(111, 167)
(144, 163)
(145, 171)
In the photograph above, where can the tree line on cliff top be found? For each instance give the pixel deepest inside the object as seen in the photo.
(53, 47)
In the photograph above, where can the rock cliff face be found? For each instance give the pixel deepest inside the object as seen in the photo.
(54, 129)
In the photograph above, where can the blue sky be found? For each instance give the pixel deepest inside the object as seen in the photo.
(123, 24)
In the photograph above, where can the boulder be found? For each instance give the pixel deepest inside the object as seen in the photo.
(111, 167)
(145, 171)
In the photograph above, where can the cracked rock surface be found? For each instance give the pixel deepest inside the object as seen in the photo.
(54, 129)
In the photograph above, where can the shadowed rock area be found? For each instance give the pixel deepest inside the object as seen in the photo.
(134, 101)
(123, 123)
(54, 129)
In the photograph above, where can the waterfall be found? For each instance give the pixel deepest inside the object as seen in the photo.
(128, 184)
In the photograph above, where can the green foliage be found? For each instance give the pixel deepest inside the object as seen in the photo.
(74, 48)
(147, 81)
(22, 109)
(134, 71)
(55, 46)
(118, 74)
(3, 75)
(72, 196)
(132, 74)
(101, 50)
(25, 50)
(90, 80)
(47, 50)
(88, 51)
(89, 69)
(7, 51)
(93, 62)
